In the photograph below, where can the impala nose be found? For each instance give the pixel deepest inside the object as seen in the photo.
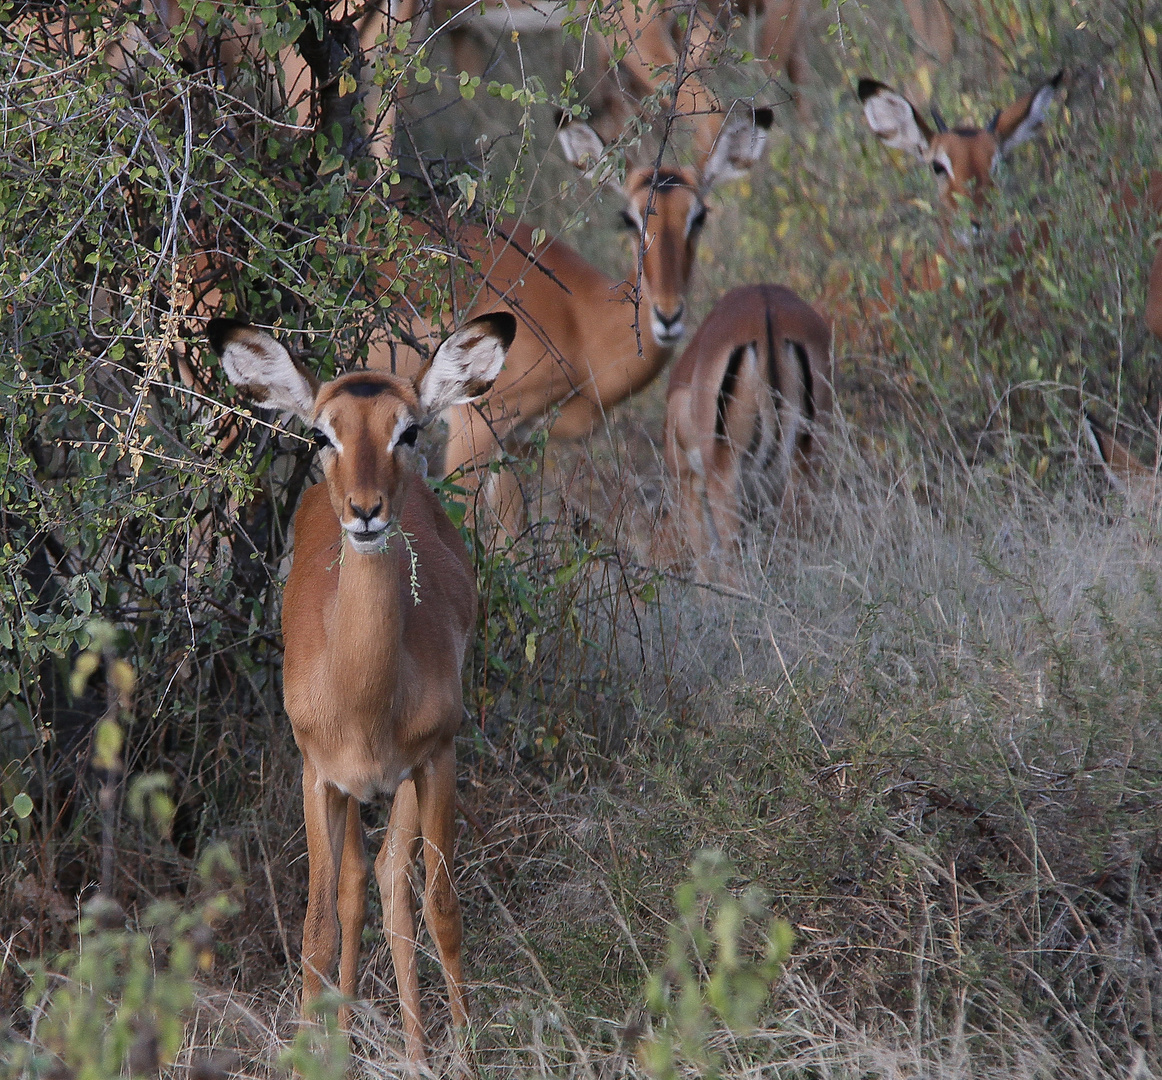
(365, 515)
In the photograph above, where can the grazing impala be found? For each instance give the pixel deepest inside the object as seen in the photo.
(747, 404)
(584, 341)
(962, 158)
(377, 615)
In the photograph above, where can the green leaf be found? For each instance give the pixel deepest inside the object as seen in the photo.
(22, 805)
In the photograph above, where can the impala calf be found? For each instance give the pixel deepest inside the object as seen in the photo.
(378, 611)
(745, 411)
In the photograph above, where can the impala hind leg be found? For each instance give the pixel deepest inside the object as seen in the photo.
(352, 907)
(393, 870)
(436, 788)
(325, 816)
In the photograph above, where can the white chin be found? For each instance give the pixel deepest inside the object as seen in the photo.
(368, 543)
(668, 336)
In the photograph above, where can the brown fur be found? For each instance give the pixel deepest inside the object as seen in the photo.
(377, 614)
(723, 434)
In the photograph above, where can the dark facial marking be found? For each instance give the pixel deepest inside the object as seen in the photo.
(365, 388)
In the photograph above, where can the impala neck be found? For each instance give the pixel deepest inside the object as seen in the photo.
(656, 357)
(367, 625)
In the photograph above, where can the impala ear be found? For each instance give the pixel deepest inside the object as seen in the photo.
(262, 368)
(466, 363)
(581, 145)
(738, 147)
(893, 119)
(1020, 121)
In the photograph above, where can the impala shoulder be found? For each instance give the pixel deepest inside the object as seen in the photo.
(316, 525)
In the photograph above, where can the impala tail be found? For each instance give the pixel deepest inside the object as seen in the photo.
(1126, 472)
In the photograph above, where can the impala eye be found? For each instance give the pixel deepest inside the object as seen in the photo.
(408, 436)
(627, 221)
(939, 169)
(321, 440)
(698, 220)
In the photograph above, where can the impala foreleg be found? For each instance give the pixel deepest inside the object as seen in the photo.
(783, 48)
(325, 814)
(436, 788)
(352, 906)
(393, 870)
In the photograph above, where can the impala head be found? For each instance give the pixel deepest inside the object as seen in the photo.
(674, 200)
(962, 158)
(367, 421)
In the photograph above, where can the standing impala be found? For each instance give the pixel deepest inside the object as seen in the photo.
(747, 404)
(377, 615)
(585, 341)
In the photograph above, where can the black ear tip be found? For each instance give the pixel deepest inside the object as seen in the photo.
(502, 324)
(764, 117)
(218, 330)
(868, 88)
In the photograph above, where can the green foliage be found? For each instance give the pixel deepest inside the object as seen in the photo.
(708, 982)
(320, 1050)
(144, 190)
(116, 1002)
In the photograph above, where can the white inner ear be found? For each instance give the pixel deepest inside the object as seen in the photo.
(405, 421)
(582, 146)
(739, 146)
(324, 425)
(258, 364)
(893, 121)
(464, 367)
(1027, 128)
(946, 161)
(695, 209)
